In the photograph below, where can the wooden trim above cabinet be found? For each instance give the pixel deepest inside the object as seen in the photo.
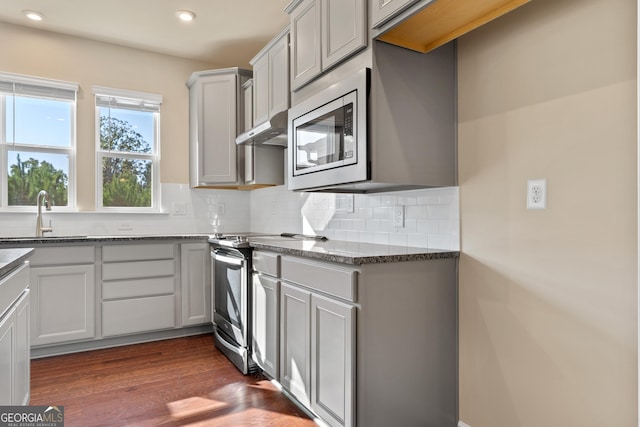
(445, 20)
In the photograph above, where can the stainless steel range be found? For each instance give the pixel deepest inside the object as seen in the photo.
(231, 258)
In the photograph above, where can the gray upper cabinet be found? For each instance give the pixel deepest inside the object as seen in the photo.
(324, 33)
(279, 74)
(271, 78)
(344, 29)
(215, 119)
(261, 89)
(305, 20)
(384, 10)
(247, 96)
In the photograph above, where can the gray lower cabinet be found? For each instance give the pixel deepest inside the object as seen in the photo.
(265, 297)
(138, 288)
(333, 360)
(318, 337)
(265, 323)
(14, 339)
(195, 270)
(62, 281)
(86, 297)
(23, 351)
(63, 303)
(371, 345)
(295, 342)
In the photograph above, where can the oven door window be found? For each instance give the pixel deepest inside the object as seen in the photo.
(229, 290)
(325, 138)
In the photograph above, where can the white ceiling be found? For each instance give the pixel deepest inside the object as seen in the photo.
(225, 33)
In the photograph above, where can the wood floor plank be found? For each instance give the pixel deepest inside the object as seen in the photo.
(177, 382)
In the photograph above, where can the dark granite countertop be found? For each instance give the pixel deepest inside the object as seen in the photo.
(348, 252)
(12, 258)
(48, 240)
(354, 253)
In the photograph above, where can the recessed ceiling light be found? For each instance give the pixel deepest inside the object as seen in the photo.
(33, 15)
(185, 15)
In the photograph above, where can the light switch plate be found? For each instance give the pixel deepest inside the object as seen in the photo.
(398, 216)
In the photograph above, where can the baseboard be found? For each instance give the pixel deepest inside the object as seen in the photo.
(96, 344)
(461, 424)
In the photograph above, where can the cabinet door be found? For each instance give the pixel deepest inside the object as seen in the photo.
(265, 323)
(7, 357)
(279, 76)
(196, 283)
(344, 29)
(333, 360)
(247, 105)
(22, 352)
(383, 10)
(305, 43)
(63, 303)
(217, 115)
(134, 315)
(295, 362)
(261, 90)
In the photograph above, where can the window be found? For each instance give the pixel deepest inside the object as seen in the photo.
(127, 147)
(37, 138)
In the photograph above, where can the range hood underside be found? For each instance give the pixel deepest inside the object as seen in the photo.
(270, 132)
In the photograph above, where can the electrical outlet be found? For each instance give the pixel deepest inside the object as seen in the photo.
(179, 208)
(123, 226)
(398, 216)
(537, 194)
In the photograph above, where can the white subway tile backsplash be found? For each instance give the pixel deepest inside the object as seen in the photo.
(416, 212)
(431, 216)
(438, 212)
(381, 238)
(439, 241)
(398, 239)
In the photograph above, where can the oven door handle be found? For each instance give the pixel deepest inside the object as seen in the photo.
(228, 259)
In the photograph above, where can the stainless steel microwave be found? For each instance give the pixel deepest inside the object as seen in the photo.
(328, 135)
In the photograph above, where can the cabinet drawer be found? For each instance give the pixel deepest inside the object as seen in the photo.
(12, 286)
(138, 315)
(328, 278)
(138, 269)
(137, 252)
(267, 263)
(63, 255)
(138, 288)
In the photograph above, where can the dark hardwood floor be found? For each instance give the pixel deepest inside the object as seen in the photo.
(177, 382)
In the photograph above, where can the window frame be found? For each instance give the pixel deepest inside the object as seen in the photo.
(143, 98)
(47, 85)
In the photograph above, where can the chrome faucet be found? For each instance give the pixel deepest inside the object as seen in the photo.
(43, 197)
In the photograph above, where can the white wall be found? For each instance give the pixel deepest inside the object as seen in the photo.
(548, 299)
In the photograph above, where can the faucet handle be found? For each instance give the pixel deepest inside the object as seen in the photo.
(48, 229)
